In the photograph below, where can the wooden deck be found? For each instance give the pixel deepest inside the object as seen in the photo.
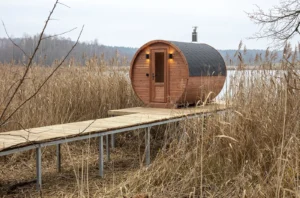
(122, 118)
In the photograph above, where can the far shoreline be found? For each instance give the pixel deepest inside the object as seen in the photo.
(256, 67)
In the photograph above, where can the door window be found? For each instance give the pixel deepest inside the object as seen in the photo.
(159, 67)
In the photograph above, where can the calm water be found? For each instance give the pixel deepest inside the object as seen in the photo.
(222, 94)
(247, 73)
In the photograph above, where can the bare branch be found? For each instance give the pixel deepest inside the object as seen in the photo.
(280, 23)
(87, 126)
(45, 81)
(64, 5)
(9, 89)
(55, 35)
(28, 65)
(12, 40)
(20, 126)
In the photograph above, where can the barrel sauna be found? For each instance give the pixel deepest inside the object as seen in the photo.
(170, 73)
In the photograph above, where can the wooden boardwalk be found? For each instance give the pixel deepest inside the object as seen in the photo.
(122, 119)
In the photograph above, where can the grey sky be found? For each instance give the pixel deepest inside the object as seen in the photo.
(222, 23)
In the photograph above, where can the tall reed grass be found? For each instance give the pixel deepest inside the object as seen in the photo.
(73, 94)
(252, 150)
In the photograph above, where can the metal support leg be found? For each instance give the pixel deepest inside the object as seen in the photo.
(101, 164)
(147, 149)
(38, 168)
(107, 148)
(58, 157)
(112, 139)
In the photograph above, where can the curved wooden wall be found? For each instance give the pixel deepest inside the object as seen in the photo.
(200, 87)
(177, 74)
(181, 88)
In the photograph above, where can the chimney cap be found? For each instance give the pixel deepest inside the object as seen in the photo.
(194, 34)
(195, 28)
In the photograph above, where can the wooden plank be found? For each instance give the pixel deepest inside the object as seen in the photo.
(200, 87)
(130, 117)
(5, 145)
(176, 75)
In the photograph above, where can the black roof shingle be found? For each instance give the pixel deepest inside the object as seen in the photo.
(203, 60)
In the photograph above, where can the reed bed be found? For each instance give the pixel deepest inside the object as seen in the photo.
(73, 94)
(252, 150)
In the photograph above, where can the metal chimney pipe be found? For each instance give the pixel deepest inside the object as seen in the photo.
(195, 34)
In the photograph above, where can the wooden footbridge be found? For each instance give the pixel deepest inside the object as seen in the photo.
(121, 121)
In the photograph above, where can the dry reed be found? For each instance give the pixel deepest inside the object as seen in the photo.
(250, 151)
(73, 94)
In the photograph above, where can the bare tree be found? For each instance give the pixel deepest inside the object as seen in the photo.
(280, 23)
(4, 116)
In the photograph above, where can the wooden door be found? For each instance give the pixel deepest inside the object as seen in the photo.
(158, 76)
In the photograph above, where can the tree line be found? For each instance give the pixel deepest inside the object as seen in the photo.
(54, 48)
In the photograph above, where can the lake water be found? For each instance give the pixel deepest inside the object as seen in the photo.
(233, 73)
(222, 94)
(247, 73)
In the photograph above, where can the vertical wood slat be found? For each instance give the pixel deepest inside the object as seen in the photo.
(176, 74)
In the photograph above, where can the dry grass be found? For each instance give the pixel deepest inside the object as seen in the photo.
(73, 94)
(250, 151)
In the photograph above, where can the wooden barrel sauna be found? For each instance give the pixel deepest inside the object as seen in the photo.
(170, 73)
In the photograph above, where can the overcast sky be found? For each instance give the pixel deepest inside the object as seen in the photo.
(222, 23)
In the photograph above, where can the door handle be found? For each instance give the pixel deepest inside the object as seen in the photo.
(153, 76)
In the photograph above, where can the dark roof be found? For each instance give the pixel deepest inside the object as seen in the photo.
(203, 60)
